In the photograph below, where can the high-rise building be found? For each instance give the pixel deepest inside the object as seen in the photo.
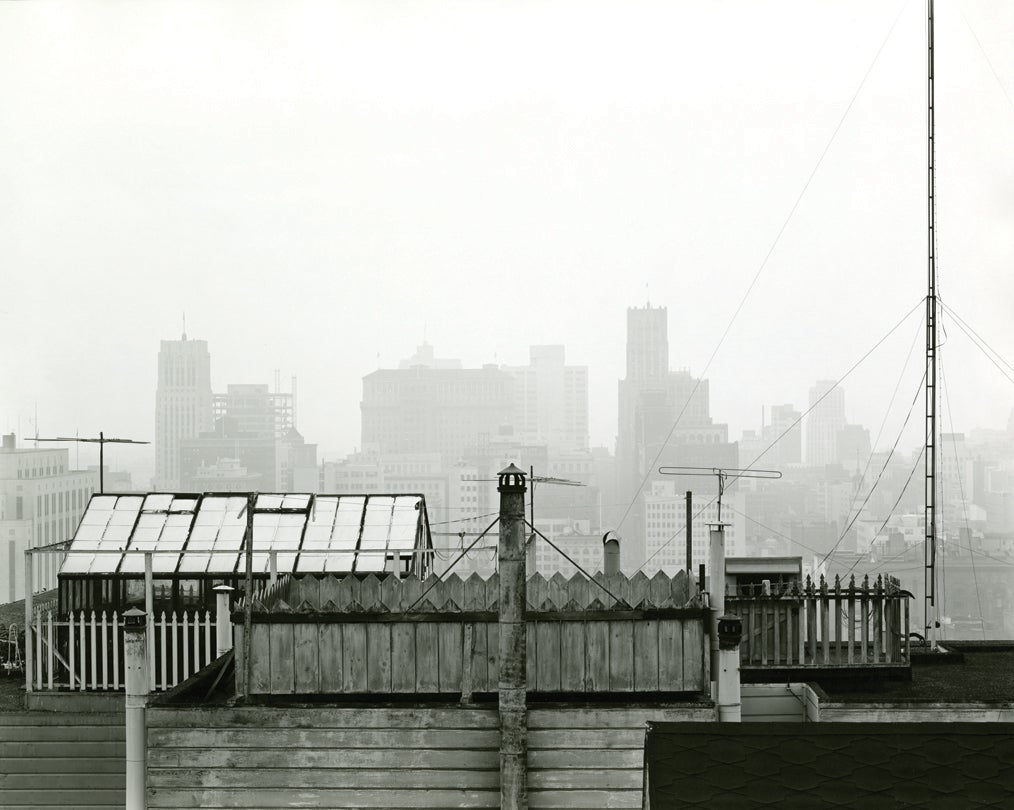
(783, 432)
(664, 420)
(826, 418)
(435, 410)
(41, 503)
(551, 401)
(183, 405)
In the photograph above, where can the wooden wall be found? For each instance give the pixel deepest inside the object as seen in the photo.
(406, 757)
(62, 759)
(450, 657)
(774, 703)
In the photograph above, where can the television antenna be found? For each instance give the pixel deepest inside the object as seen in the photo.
(101, 441)
(721, 473)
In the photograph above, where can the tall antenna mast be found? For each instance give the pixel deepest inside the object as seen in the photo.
(929, 567)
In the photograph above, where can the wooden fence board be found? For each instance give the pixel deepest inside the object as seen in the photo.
(371, 798)
(403, 658)
(378, 657)
(450, 656)
(621, 656)
(670, 657)
(645, 659)
(354, 657)
(597, 656)
(427, 656)
(306, 661)
(547, 660)
(282, 673)
(572, 658)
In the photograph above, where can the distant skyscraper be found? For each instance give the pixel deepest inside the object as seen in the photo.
(664, 419)
(785, 429)
(826, 418)
(551, 401)
(183, 404)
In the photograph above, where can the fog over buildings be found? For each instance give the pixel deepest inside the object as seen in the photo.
(411, 243)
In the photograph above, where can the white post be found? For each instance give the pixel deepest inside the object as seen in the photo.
(149, 610)
(730, 631)
(29, 647)
(223, 622)
(136, 661)
(717, 593)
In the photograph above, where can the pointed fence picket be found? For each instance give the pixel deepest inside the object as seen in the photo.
(84, 651)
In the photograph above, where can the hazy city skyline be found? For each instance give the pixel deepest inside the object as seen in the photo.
(319, 187)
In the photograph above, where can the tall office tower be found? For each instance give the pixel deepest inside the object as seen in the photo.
(435, 410)
(183, 404)
(41, 503)
(551, 401)
(664, 419)
(827, 417)
(786, 430)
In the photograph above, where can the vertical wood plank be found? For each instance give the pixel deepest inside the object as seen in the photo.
(646, 656)
(354, 657)
(282, 668)
(450, 656)
(329, 657)
(378, 657)
(572, 656)
(532, 646)
(670, 655)
(427, 657)
(307, 662)
(260, 659)
(547, 641)
(693, 658)
(597, 656)
(621, 656)
(480, 638)
(493, 649)
(403, 657)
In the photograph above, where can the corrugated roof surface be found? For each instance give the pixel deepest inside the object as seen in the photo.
(203, 534)
(872, 766)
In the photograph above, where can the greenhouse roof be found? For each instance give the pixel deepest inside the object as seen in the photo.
(193, 534)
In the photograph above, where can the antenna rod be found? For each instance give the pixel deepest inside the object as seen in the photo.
(930, 549)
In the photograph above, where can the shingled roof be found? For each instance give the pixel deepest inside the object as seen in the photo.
(873, 766)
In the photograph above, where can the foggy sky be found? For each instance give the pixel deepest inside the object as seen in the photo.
(318, 185)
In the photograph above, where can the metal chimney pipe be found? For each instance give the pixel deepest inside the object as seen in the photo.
(136, 665)
(611, 553)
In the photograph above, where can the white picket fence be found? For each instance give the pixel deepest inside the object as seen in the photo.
(85, 651)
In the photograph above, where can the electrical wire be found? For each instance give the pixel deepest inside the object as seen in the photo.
(964, 505)
(763, 264)
(887, 461)
(975, 337)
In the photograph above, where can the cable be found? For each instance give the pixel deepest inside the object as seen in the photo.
(785, 432)
(462, 520)
(901, 495)
(988, 62)
(568, 558)
(883, 469)
(763, 264)
(883, 422)
(969, 331)
(440, 576)
(964, 506)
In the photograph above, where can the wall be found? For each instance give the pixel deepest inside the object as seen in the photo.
(405, 757)
(62, 759)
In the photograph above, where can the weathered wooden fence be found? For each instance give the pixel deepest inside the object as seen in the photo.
(818, 625)
(85, 651)
(388, 635)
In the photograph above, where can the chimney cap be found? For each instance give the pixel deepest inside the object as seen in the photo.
(511, 479)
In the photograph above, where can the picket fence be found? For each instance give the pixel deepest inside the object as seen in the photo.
(84, 652)
(824, 625)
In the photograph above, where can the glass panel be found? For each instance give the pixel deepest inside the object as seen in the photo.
(184, 505)
(340, 563)
(87, 537)
(194, 562)
(223, 562)
(105, 563)
(269, 501)
(75, 563)
(296, 502)
(164, 563)
(286, 562)
(160, 502)
(311, 563)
